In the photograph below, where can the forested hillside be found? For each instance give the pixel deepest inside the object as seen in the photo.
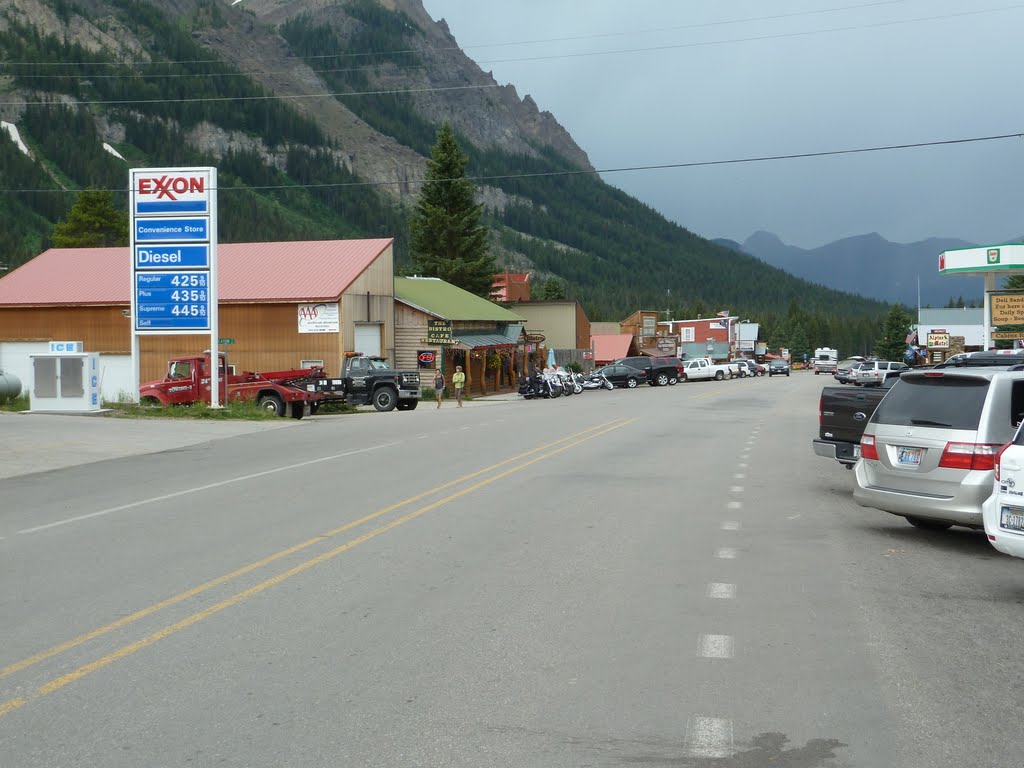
(269, 98)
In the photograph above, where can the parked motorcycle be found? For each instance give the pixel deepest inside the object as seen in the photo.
(537, 387)
(596, 380)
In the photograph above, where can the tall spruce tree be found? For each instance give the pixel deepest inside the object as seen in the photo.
(94, 221)
(448, 241)
(894, 334)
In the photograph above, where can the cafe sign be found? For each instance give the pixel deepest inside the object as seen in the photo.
(439, 332)
(1007, 308)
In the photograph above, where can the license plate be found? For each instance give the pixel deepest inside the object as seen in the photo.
(1011, 518)
(908, 457)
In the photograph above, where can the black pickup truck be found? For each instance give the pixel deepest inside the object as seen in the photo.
(661, 371)
(369, 380)
(843, 414)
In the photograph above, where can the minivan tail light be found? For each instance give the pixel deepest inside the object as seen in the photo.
(868, 449)
(999, 457)
(969, 456)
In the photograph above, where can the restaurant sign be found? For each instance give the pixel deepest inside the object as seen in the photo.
(1007, 308)
(439, 332)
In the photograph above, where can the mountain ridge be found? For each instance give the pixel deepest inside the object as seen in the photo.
(871, 265)
(310, 146)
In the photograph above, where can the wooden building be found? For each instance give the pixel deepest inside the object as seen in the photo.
(562, 323)
(282, 305)
(439, 325)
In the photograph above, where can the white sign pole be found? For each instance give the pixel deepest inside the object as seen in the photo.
(214, 301)
(173, 244)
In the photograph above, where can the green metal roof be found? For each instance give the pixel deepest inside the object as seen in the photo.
(449, 302)
(482, 340)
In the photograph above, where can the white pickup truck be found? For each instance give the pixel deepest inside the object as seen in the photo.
(704, 368)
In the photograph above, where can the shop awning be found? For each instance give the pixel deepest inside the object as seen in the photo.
(486, 340)
(655, 352)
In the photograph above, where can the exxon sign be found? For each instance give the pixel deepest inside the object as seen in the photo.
(171, 192)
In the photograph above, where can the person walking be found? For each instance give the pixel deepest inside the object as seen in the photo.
(438, 386)
(459, 380)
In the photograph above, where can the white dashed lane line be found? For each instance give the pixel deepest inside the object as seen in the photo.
(726, 553)
(709, 737)
(716, 647)
(721, 591)
(730, 525)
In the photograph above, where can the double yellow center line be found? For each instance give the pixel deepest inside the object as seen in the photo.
(547, 450)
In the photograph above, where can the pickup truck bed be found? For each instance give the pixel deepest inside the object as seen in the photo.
(843, 414)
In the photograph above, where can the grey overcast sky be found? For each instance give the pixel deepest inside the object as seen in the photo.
(650, 82)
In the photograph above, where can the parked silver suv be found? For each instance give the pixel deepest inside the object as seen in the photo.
(873, 372)
(929, 450)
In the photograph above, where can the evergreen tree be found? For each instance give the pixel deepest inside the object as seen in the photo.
(448, 240)
(93, 222)
(552, 289)
(799, 346)
(893, 342)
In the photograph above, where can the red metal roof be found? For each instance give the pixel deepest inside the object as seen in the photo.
(610, 346)
(309, 270)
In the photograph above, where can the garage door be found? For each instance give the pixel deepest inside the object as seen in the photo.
(368, 338)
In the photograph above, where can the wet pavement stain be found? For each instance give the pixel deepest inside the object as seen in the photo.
(766, 749)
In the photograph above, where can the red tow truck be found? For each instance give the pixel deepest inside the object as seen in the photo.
(285, 393)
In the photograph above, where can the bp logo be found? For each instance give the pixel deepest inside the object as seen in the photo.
(993, 255)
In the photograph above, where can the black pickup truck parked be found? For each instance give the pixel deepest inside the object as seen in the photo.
(369, 380)
(843, 414)
(660, 370)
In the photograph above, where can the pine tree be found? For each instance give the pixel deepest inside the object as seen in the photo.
(93, 222)
(448, 240)
(894, 334)
(553, 289)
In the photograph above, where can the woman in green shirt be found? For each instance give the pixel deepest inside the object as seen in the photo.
(459, 382)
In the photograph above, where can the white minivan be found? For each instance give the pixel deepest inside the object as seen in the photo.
(1003, 512)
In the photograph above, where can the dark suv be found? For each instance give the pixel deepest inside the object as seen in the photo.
(660, 370)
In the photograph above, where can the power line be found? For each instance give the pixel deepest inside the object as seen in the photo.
(550, 57)
(494, 45)
(601, 171)
(263, 97)
(547, 57)
(702, 25)
(758, 38)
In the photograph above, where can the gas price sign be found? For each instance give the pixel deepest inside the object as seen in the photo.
(172, 300)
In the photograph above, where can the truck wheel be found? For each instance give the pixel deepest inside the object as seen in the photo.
(662, 379)
(273, 404)
(816, 373)
(298, 409)
(313, 408)
(673, 380)
(719, 375)
(631, 382)
(385, 399)
(407, 405)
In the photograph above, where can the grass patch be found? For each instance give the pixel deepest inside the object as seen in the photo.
(231, 411)
(14, 404)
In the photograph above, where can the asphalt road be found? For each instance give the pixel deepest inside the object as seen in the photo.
(667, 576)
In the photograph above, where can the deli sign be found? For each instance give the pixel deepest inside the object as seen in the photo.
(162, 192)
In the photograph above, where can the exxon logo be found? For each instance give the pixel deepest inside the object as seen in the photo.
(171, 186)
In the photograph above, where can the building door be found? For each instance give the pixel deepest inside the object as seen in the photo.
(368, 338)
